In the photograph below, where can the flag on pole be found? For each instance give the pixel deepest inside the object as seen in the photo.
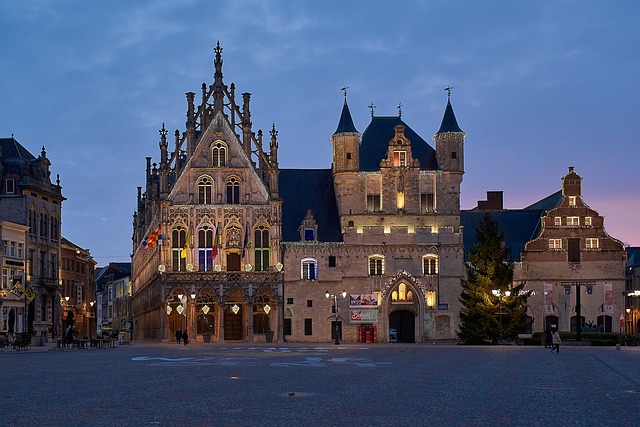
(246, 239)
(183, 253)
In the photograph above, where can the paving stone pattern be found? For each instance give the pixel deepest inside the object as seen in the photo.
(146, 384)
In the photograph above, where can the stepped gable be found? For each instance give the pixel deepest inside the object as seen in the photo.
(375, 144)
(304, 189)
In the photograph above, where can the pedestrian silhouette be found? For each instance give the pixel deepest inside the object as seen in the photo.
(185, 337)
(178, 336)
(556, 341)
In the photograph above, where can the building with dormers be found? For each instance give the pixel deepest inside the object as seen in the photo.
(30, 199)
(232, 248)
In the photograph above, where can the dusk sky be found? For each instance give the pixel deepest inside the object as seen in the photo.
(538, 86)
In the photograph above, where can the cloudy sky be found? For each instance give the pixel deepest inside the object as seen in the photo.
(537, 86)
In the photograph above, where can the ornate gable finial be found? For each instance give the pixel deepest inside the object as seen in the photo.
(372, 107)
(273, 132)
(218, 49)
(400, 109)
(344, 89)
(163, 131)
(43, 154)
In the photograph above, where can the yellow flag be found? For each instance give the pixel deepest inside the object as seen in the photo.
(30, 293)
(183, 252)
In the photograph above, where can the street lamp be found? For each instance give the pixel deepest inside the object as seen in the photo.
(500, 294)
(329, 295)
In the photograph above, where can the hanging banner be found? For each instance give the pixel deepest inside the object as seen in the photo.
(548, 298)
(363, 301)
(607, 306)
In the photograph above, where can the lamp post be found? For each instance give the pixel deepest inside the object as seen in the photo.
(500, 294)
(193, 299)
(329, 295)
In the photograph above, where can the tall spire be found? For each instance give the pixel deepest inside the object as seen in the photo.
(218, 87)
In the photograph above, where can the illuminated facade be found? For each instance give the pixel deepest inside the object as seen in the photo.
(230, 247)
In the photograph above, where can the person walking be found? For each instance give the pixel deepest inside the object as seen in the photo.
(185, 337)
(556, 341)
(548, 342)
(178, 336)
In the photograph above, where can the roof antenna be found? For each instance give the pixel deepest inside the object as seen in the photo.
(448, 89)
(399, 110)
(372, 107)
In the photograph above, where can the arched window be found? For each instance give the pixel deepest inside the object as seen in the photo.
(309, 270)
(376, 265)
(233, 191)
(44, 224)
(219, 154)
(179, 248)
(54, 227)
(205, 186)
(261, 248)
(402, 293)
(430, 265)
(205, 248)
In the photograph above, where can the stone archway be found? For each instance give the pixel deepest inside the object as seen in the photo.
(404, 322)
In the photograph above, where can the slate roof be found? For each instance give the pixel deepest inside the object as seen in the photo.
(375, 142)
(345, 125)
(633, 257)
(303, 189)
(12, 149)
(518, 225)
(449, 122)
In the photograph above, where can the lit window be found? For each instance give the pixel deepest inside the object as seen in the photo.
(219, 155)
(376, 265)
(591, 243)
(572, 200)
(205, 186)
(573, 221)
(430, 265)
(400, 159)
(402, 294)
(178, 244)
(587, 221)
(373, 203)
(555, 243)
(309, 269)
(205, 249)
(557, 221)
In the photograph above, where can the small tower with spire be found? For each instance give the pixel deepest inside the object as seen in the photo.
(449, 141)
(346, 142)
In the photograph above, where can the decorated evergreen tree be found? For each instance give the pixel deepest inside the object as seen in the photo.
(492, 308)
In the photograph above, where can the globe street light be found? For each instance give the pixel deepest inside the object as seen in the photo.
(335, 309)
(500, 294)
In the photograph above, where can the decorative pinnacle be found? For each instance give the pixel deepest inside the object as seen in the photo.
(372, 107)
(273, 132)
(218, 49)
(163, 131)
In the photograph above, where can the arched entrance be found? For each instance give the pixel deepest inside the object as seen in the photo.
(404, 322)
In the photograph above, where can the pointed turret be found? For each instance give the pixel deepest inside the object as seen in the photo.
(346, 142)
(449, 141)
(345, 125)
(449, 122)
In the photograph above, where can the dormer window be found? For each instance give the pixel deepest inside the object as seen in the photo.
(400, 159)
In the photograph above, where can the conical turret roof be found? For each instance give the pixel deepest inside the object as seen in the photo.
(449, 122)
(346, 122)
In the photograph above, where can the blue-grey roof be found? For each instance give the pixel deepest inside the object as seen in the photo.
(345, 125)
(549, 202)
(303, 189)
(449, 122)
(633, 257)
(375, 143)
(518, 226)
(12, 149)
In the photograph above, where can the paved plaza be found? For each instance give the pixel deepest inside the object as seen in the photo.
(163, 384)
